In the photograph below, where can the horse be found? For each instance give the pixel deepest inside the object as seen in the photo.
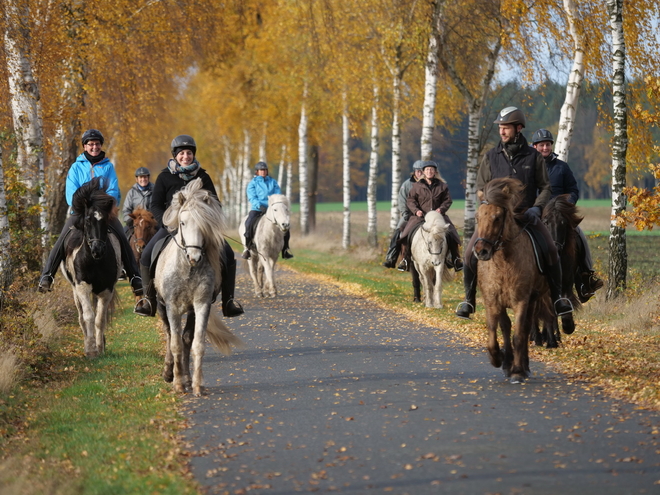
(428, 249)
(267, 244)
(144, 228)
(187, 279)
(92, 262)
(508, 275)
(561, 218)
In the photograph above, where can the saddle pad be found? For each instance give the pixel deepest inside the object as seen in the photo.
(158, 248)
(536, 248)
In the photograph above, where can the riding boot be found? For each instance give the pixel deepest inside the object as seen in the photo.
(562, 305)
(148, 304)
(405, 261)
(453, 258)
(467, 307)
(230, 307)
(586, 281)
(393, 251)
(286, 254)
(55, 257)
(246, 251)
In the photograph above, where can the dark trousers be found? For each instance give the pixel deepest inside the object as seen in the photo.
(250, 222)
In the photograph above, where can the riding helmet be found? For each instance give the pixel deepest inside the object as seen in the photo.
(260, 166)
(542, 135)
(429, 163)
(142, 171)
(183, 142)
(510, 115)
(418, 165)
(92, 135)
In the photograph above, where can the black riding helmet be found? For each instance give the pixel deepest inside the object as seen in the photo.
(260, 166)
(183, 142)
(510, 115)
(142, 171)
(92, 135)
(542, 135)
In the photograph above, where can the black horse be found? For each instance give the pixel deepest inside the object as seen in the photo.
(92, 262)
(561, 218)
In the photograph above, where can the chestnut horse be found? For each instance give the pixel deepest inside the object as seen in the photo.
(561, 218)
(508, 275)
(144, 228)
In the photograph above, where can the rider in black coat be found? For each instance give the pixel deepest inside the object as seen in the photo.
(179, 171)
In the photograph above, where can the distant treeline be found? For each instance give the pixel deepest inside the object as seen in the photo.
(589, 155)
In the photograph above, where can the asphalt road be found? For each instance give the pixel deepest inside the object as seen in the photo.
(333, 393)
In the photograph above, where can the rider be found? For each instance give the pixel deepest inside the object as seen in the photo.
(180, 170)
(91, 163)
(404, 214)
(138, 196)
(258, 190)
(430, 193)
(513, 157)
(563, 181)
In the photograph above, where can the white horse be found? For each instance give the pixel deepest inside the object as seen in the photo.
(267, 243)
(428, 249)
(188, 276)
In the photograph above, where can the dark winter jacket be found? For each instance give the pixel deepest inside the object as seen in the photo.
(167, 184)
(561, 178)
(527, 166)
(425, 197)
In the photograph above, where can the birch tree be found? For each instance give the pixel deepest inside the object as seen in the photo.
(346, 175)
(302, 165)
(618, 264)
(372, 227)
(6, 273)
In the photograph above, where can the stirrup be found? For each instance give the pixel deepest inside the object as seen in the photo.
(464, 310)
(142, 305)
(564, 311)
(232, 308)
(138, 291)
(46, 283)
(246, 254)
(403, 266)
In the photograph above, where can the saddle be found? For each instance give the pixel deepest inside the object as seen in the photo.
(539, 244)
(158, 248)
(252, 228)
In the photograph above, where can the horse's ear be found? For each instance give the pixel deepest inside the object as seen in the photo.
(480, 195)
(506, 190)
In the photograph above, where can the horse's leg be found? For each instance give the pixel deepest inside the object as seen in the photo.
(176, 346)
(494, 353)
(269, 274)
(201, 320)
(567, 324)
(253, 264)
(168, 366)
(507, 353)
(520, 343)
(550, 328)
(86, 319)
(416, 283)
(188, 337)
(101, 320)
(437, 286)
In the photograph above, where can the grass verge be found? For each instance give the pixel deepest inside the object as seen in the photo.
(103, 426)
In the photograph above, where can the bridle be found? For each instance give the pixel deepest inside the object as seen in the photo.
(274, 220)
(183, 246)
(498, 243)
(428, 244)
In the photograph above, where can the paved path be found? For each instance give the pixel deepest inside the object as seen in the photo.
(335, 394)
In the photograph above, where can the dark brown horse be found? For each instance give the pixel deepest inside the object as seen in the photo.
(144, 228)
(561, 218)
(508, 275)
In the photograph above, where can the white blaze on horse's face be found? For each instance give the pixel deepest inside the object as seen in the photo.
(281, 216)
(98, 216)
(190, 237)
(434, 244)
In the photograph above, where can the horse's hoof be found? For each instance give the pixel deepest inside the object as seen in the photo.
(179, 389)
(515, 379)
(199, 391)
(506, 372)
(417, 300)
(552, 345)
(567, 325)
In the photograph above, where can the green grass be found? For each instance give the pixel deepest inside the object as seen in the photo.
(111, 427)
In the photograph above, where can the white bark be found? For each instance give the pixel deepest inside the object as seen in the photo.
(372, 219)
(618, 264)
(24, 100)
(302, 166)
(280, 170)
(262, 144)
(245, 173)
(6, 274)
(289, 178)
(430, 85)
(346, 179)
(396, 150)
(575, 78)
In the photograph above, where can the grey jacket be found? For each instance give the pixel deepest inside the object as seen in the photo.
(136, 198)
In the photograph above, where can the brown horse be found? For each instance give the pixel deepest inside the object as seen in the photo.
(561, 218)
(508, 275)
(144, 228)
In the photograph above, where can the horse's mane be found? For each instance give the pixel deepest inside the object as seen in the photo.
(277, 198)
(505, 193)
(93, 194)
(560, 205)
(433, 221)
(140, 212)
(208, 215)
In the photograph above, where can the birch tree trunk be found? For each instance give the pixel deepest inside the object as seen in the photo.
(245, 175)
(618, 265)
(372, 218)
(6, 273)
(280, 170)
(24, 101)
(262, 144)
(575, 78)
(396, 149)
(302, 166)
(346, 179)
(289, 178)
(430, 85)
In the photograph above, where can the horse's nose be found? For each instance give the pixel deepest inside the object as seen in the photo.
(436, 262)
(285, 226)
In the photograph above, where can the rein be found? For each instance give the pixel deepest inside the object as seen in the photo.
(183, 246)
(428, 247)
(498, 243)
(274, 222)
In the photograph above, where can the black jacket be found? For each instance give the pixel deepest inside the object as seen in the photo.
(167, 184)
(562, 179)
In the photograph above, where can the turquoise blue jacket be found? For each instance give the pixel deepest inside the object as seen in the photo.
(259, 189)
(81, 172)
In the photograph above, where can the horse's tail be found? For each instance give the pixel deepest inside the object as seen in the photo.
(447, 274)
(220, 335)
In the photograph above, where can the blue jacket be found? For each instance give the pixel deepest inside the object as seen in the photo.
(561, 178)
(259, 189)
(81, 172)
